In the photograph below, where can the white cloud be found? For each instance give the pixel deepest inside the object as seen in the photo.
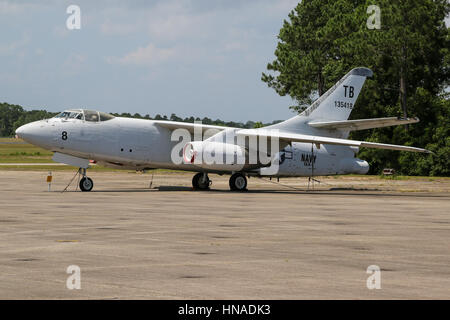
(144, 56)
(171, 20)
(166, 21)
(198, 29)
(220, 46)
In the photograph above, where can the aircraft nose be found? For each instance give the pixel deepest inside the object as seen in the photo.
(21, 131)
(35, 133)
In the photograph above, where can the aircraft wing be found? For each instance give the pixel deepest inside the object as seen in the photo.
(362, 124)
(295, 137)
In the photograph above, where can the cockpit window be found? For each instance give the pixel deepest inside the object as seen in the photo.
(74, 115)
(105, 116)
(88, 115)
(70, 115)
(91, 116)
(63, 115)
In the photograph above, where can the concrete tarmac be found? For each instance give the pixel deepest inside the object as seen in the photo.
(273, 242)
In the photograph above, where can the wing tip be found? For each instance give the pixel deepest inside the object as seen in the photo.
(410, 120)
(362, 71)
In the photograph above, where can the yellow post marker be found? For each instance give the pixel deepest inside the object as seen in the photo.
(49, 180)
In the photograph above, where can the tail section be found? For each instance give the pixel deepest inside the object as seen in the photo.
(336, 104)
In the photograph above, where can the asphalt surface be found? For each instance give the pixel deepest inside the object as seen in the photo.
(272, 242)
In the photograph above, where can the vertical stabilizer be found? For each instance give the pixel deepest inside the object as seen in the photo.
(336, 104)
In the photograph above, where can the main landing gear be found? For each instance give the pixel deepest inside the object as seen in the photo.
(201, 181)
(86, 184)
(238, 182)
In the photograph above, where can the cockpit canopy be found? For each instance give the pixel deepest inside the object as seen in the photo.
(86, 115)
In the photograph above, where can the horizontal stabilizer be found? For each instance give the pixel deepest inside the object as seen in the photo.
(294, 137)
(362, 124)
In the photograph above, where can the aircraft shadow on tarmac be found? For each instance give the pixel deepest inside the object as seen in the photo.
(332, 191)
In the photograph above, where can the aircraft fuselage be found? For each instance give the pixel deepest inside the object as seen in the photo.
(142, 144)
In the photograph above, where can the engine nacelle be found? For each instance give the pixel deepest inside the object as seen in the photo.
(215, 155)
(353, 165)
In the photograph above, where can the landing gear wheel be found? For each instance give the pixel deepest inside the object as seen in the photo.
(201, 181)
(238, 182)
(86, 184)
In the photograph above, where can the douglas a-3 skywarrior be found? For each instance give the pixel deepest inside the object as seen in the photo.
(311, 143)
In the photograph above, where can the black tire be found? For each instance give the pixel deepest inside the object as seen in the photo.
(238, 182)
(86, 184)
(197, 182)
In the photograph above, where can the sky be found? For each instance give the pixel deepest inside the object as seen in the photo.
(188, 57)
(201, 58)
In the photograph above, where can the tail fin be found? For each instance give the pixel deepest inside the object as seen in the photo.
(336, 104)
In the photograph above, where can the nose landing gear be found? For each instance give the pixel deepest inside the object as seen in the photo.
(86, 184)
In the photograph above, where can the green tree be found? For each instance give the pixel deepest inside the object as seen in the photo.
(323, 40)
(410, 48)
(14, 116)
(9, 115)
(308, 48)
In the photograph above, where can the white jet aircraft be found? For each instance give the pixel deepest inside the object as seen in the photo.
(312, 143)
